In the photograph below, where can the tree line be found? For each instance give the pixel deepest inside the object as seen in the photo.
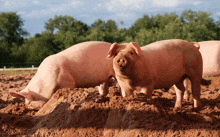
(61, 32)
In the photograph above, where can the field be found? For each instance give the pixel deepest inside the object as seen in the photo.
(82, 112)
(16, 72)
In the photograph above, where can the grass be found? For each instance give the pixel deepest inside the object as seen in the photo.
(208, 78)
(16, 72)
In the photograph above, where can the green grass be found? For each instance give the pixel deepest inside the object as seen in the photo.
(16, 72)
(208, 78)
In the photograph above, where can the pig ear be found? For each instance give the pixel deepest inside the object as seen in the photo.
(136, 47)
(196, 44)
(22, 94)
(112, 50)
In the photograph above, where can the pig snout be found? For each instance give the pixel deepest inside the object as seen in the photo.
(121, 62)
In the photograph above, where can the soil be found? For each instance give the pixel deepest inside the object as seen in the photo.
(82, 112)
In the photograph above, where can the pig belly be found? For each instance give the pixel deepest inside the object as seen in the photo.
(166, 83)
(91, 79)
(168, 79)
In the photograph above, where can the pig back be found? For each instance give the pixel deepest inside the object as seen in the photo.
(87, 63)
(210, 51)
(167, 60)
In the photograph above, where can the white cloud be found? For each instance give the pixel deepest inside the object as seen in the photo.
(125, 16)
(14, 4)
(63, 7)
(129, 5)
(115, 5)
(218, 13)
(36, 2)
(51, 9)
(198, 3)
(166, 3)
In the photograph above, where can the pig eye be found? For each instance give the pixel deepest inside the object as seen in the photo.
(131, 53)
(115, 54)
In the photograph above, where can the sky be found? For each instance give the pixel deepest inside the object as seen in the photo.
(35, 13)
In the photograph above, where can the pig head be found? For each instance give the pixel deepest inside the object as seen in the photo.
(125, 57)
(157, 65)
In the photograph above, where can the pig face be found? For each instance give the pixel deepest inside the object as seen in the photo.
(125, 55)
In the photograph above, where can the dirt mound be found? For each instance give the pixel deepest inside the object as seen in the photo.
(82, 112)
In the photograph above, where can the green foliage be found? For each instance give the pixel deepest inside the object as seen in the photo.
(62, 32)
(11, 37)
(67, 31)
(41, 46)
(191, 26)
(105, 31)
(11, 30)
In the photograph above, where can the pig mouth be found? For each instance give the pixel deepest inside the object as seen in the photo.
(121, 63)
(122, 66)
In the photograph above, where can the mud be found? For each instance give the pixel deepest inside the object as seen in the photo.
(82, 112)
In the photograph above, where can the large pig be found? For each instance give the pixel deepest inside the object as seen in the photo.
(210, 51)
(82, 65)
(157, 65)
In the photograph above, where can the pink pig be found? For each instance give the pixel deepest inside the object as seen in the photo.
(210, 51)
(157, 65)
(81, 65)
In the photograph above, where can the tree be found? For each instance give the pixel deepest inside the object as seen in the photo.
(37, 48)
(191, 26)
(145, 22)
(105, 31)
(161, 21)
(199, 25)
(11, 37)
(97, 31)
(67, 30)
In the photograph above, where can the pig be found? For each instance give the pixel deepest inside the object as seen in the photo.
(81, 65)
(157, 65)
(210, 51)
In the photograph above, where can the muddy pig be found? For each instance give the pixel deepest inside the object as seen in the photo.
(81, 65)
(157, 65)
(210, 51)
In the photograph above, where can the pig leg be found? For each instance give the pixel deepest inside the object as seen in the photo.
(196, 92)
(186, 93)
(103, 89)
(125, 92)
(147, 91)
(126, 89)
(195, 77)
(65, 80)
(179, 88)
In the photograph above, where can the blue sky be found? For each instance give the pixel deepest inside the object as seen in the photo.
(35, 12)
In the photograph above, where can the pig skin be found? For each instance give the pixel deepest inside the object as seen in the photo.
(158, 65)
(81, 65)
(210, 51)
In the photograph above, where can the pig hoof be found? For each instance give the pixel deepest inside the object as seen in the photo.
(177, 110)
(196, 109)
(102, 99)
(141, 94)
(186, 97)
(103, 94)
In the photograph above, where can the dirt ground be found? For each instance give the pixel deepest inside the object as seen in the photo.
(82, 112)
